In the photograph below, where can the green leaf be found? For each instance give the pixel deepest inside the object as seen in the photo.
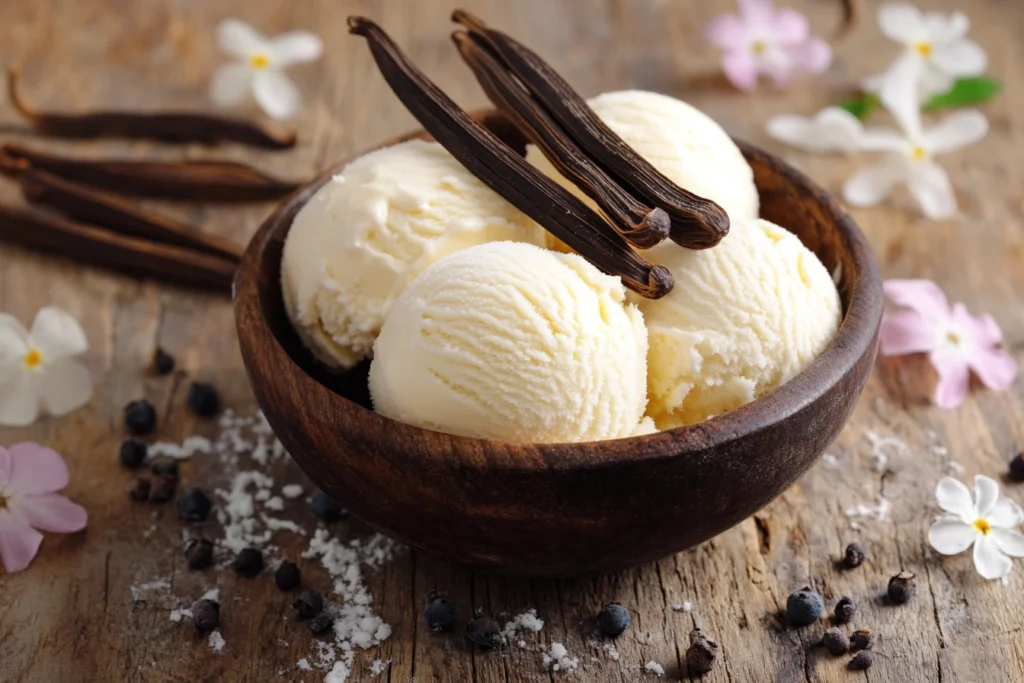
(965, 91)
(862, 106)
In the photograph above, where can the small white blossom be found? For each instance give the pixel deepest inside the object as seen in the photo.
(36, 368)
(260, 67)
(986, 522)
(833, 129)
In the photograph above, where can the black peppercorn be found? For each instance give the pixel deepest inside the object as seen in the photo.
(309, 604)
(206, 615)
(854, 555)
(163, 362)
(612, 620)
(902, 587)
(165, 468)
(1017, 468)
(845, 609)
(132, 453)
(326, 508)
(199, 553)
(194, 507)
(248, 562)
(163, 489)
(287, 576)
(440, 613)
(861, 661)
(835, 641)
(804, 607)
(140, 417)
(862, 639)
(701, 654)
(484, 631)
(138, 489)
(321, 623)
(203, 399)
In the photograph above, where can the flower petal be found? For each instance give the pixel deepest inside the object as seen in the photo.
(36, 469)
(789, 27)
(994, 367)
(51, 512)
(1005, 514)
(57, 334)
(19, 542)
(5, 466)
(13, 338)
(906, 332)
(985, 330)
(986, 493)
(878, 139)
(929, 185)
(943, 28)
(933, 81)
(230, 84)
(831, 129)
(277, 95)
(957, 130)
(923, 296)
(757, 12)
(901, 23)
(899, 94)
(237, 38)
(727, 31)
(960, 58)
(19, 405)
(1010, 542)
(954, 378)
(870, 185)
(989, 560)
(64, 386)
(951, 537)
(955, 498)
(778, 64)
(294, 47)
(813, 56)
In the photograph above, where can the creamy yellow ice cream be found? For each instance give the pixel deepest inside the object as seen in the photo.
(360, 240)
(743, 317)
(510, 342)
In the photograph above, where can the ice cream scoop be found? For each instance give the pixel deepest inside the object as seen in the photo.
(360, 240)
(744, 317)
(511, 342)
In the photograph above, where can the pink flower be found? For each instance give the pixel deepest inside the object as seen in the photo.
(956, 341)
(761, 39)
(30, 475)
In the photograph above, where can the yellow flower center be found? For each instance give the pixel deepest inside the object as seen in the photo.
(259, 61)
(33, 359)
(918, 153)
(953, 338)
(982, 526)
(758, 47)
(924, 50)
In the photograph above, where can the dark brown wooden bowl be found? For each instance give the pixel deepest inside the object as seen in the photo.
(562, 509)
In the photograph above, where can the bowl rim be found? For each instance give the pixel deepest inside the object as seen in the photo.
(855, 338)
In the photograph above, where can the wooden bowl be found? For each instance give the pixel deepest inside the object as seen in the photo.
(562, 509)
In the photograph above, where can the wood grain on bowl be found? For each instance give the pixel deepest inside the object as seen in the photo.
(562, 509)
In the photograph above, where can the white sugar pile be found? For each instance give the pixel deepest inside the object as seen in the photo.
(879, 512)
(217, 641)
(526, 621)
(654, 668)
(685, 606)
(378, 666)
(882, 448)
(558, 659)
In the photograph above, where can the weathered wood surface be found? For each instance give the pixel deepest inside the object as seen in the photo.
(70, 617)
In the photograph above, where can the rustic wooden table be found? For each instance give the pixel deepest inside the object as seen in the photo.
(72, 617)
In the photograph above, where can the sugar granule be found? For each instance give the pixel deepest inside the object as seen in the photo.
(178, 614)
(654, 668)
(212, 594)
(291, 491)
(183, 451)
(879, 512)
(558, 659)
(378, 666)
(158, 585)
(217, 641)
(525, 621)
(262, 495)
(304, 665)
(685, 606)
(274, 503)
(879, 445)
(955, 467)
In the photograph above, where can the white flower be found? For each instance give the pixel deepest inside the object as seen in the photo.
(833, 129)
(260, 67)
(910, 155)
(986, 522)
(935, 47)
(36, 368)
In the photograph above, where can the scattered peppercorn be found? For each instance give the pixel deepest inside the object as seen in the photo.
(199, 553)
(862, 639)
(163, 362)
(845, 609)
(165, 468)
(203, 399)
(321, 623)
(612, 620)
(861, 661)
(854, 555)
(163, 489)
(206, 614)
(701, 654)
(902, 587)
(132, 453)
(309, 604)
(138, 489)
(140, 417)
(1017, 468)
(194, 507)
(287, 576)
(804, 607)
(326, 508)
(248, 562)
(835, 641)
(440, 613)
(484, 632)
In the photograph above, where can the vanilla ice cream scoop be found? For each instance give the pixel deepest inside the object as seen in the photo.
(360, 240)
(683, 143)
(515, 343)
(744, 317)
